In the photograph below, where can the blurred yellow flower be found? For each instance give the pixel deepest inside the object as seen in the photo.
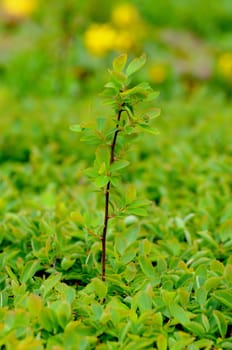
(125, 15)
(18, 8)
(125, 41)
(225, 65)
(100, 38)
(158, 73)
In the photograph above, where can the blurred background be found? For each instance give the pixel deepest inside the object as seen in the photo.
(63, 47)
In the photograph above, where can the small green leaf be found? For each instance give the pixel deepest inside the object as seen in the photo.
(224, 297)
(102, 168)
(201, 295)
(101, 122)
(101, 181)
(135, 65)
(29, 270)
(221, 322)
(119, 164)
(66, 263)
(146, 266)
(120, 62)
(48, 319)
(63, 312)
(130, 194)
(50, 283)
(162, 343)
(76, 128)
(178, 313)
(212, 283)
(100, 287)
(154, 113)
(147, 128)
(196, 328)
(137, 211)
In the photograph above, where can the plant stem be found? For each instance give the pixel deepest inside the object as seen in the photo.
(107, 198)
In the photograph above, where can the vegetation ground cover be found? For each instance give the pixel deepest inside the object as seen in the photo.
(169, 274)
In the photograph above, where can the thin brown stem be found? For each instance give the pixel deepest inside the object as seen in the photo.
(107, 199)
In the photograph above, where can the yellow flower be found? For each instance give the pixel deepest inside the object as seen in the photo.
(100, 39)
(125, 41)
(125, 15)
(158, 73)
(225, 65)
(18, 8)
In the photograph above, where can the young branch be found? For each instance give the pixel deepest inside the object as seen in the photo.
(107, 198)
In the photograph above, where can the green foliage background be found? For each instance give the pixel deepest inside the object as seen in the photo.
(169, 280)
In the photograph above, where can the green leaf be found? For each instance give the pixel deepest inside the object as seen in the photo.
(146, 266)
(212, 283)
(67, 262)
(178, 313)
(119, 164)
(152, 114)
(101, 122)
(102, 168)
(130, 194)
(146, 128)
(34, 304)
(162, 343)
(221, 322)
(76, 128)
(196, 328)
(135, 65)
(120, 62)
(48, 319)
(100, 287)
(137, 211)
(63, 312)
(224, 297)
(29, 270)
(201, 295)
(50, 283)
(101, 181)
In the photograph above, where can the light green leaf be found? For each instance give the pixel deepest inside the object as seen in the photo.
(50, 283)
(29, 270)
(135, 65)
(101, 181)
(48, 319)
(101, 122)
(76, 128)
(63, 312)
(224, 297)
(130, 194)
(162, 343)
(152, 114)
(146, 128)
(120, 62)
(66, 263)
(178, 313)
(196, 328)
(102, 168)
(221, 322)
(119, 164)
(137, 211)
(146, 266)
(212, 283)
(100, 287)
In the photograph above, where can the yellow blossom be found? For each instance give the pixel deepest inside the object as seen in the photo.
(158, 73)
(100, 38)
(18, 8)
(225, 65)
(125, 41)
(125, 15)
